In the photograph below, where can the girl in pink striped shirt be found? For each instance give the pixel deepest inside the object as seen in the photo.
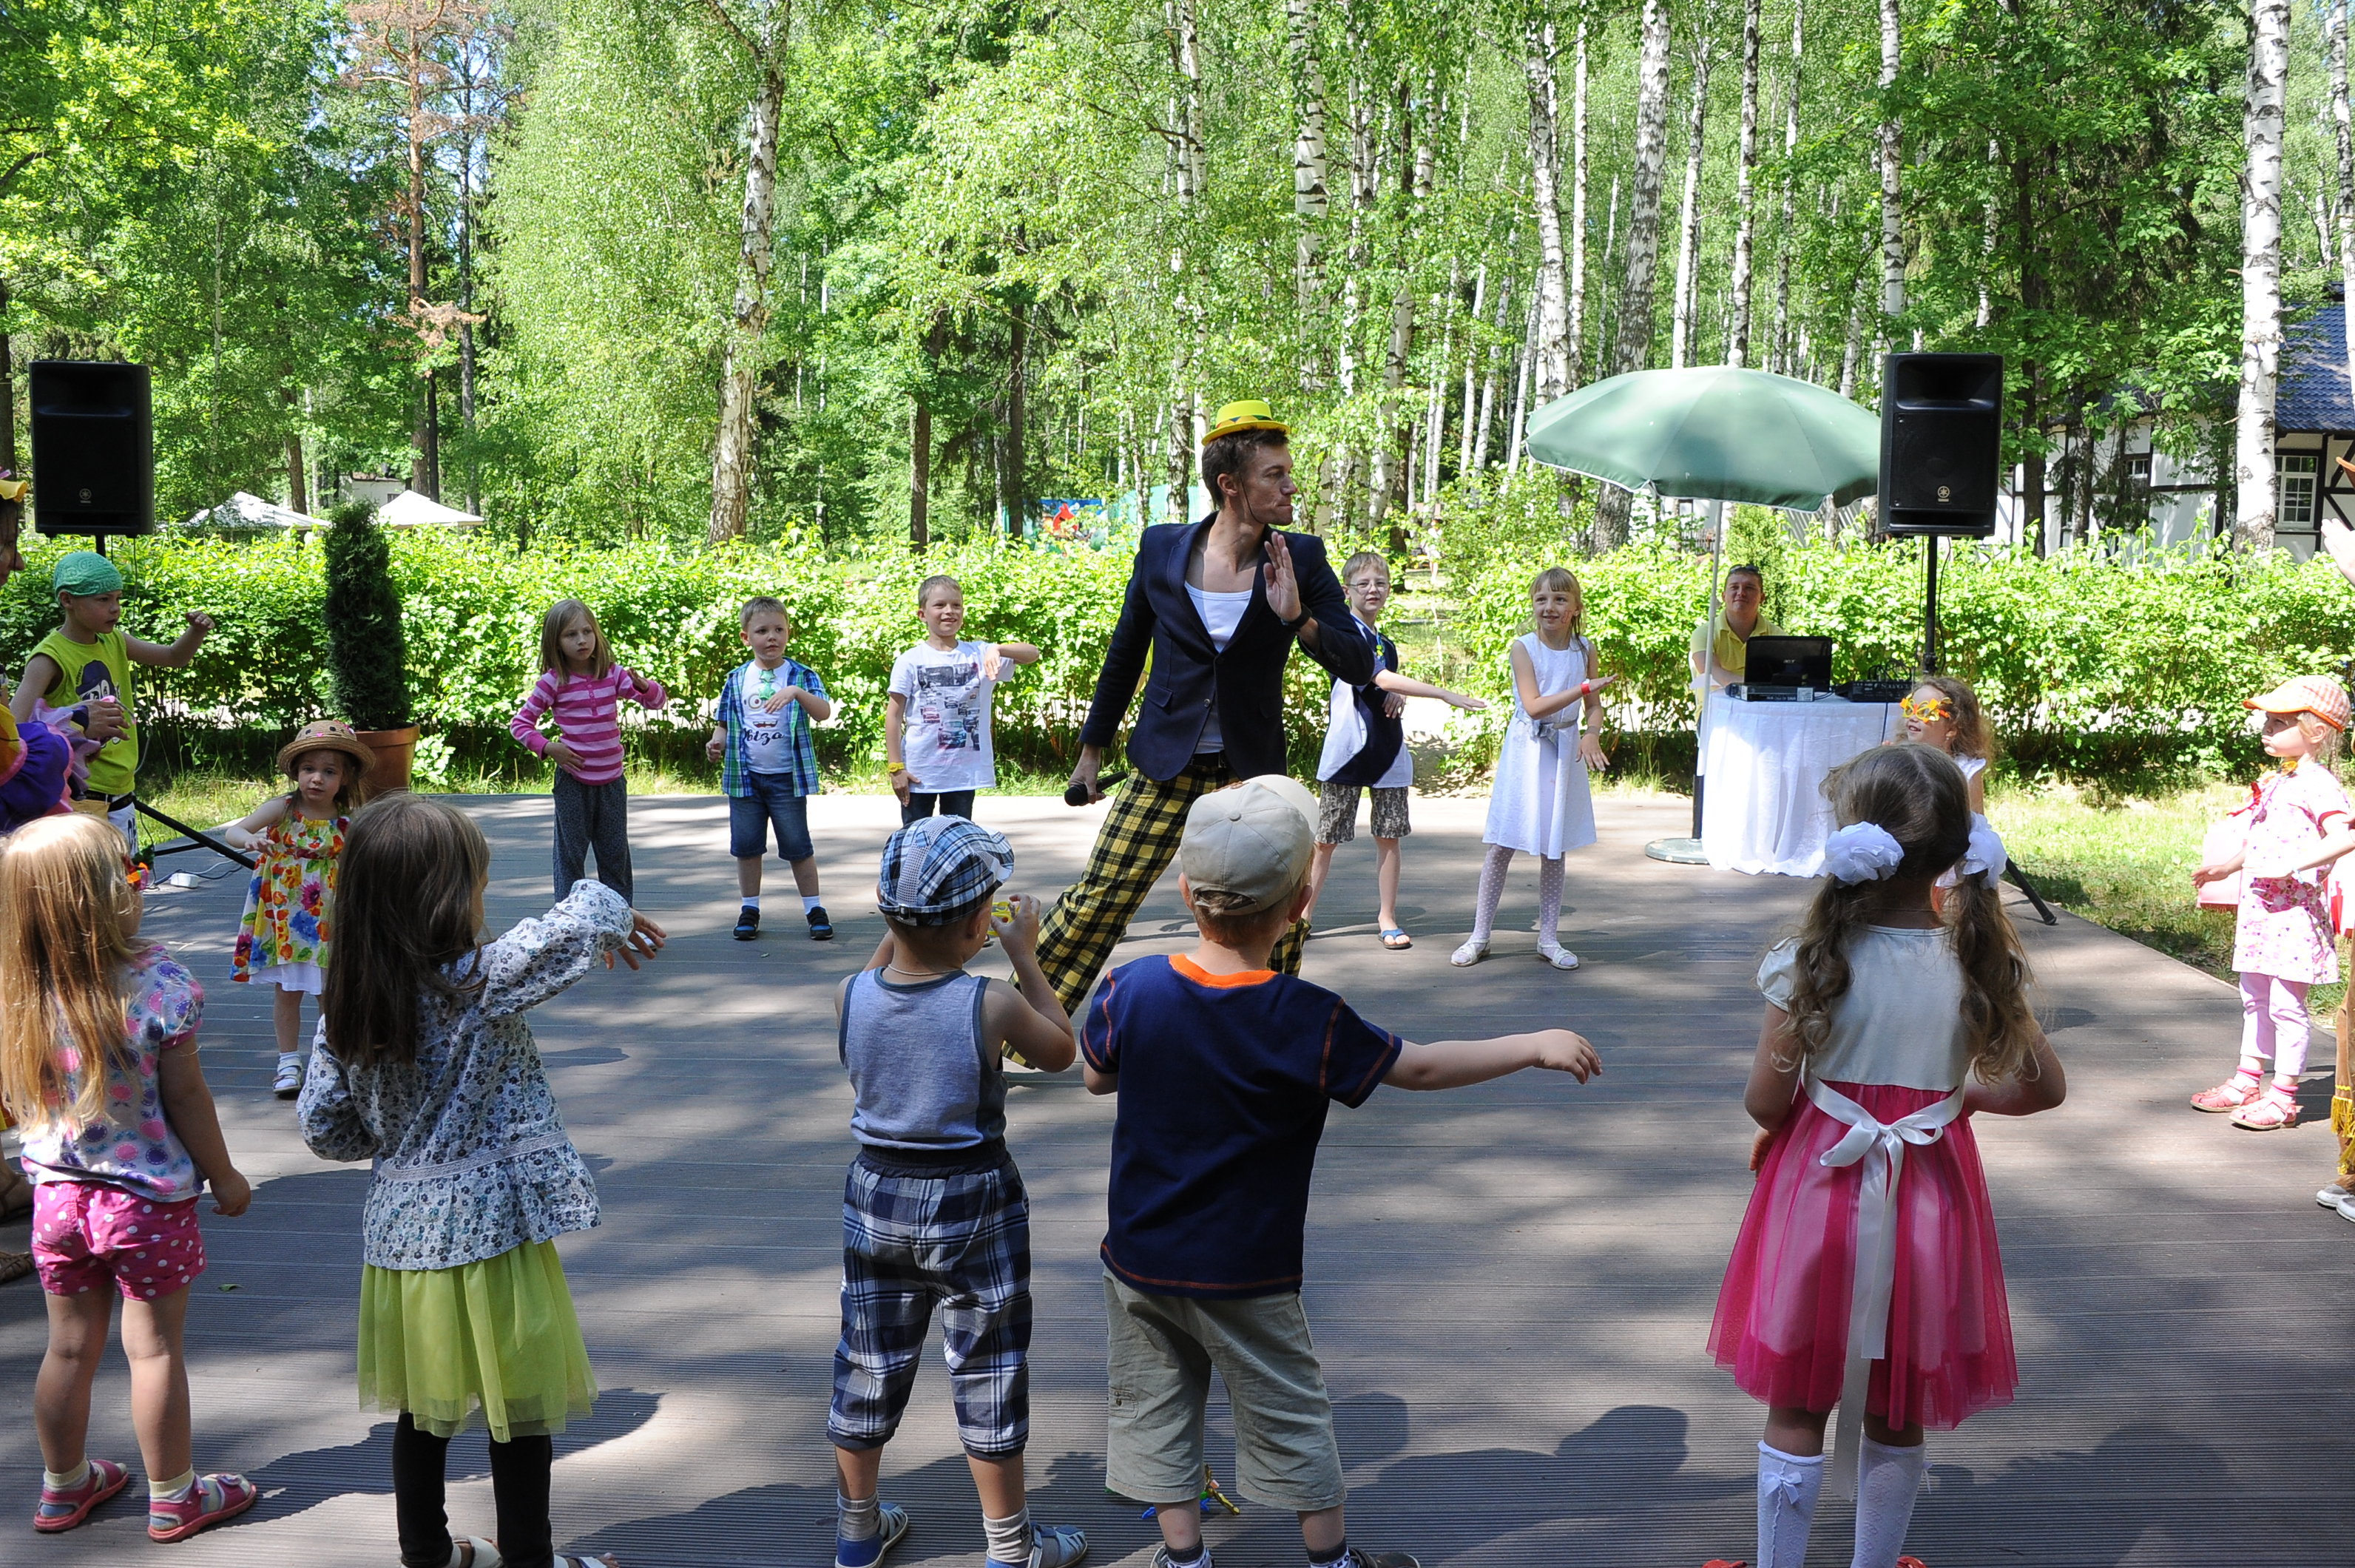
(582, 686)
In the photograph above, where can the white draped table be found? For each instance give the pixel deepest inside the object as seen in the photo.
(1762, 806)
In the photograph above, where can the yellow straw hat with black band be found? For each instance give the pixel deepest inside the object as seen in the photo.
(1252, 414)
(325, 735)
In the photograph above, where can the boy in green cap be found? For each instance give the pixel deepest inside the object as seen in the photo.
(85, 663)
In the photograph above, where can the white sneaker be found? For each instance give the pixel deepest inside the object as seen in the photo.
(1555, 954)
(2347, 1207)
(1471, 952)
(289, 1081)
(2332, 1195)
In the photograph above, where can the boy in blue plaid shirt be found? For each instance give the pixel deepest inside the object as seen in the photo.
(768, 763)
(934, 1209)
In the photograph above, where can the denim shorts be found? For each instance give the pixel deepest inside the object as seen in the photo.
(771, 799)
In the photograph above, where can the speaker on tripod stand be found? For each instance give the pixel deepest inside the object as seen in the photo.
(1940, 446)
(94, 448)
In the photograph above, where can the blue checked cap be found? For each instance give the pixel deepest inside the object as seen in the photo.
(937, 865)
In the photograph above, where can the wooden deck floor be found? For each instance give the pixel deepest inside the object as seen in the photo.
(1510, 1284)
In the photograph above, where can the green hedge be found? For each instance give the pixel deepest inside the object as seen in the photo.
(2092, 666)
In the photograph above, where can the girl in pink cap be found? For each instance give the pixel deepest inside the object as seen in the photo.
(2298, 822)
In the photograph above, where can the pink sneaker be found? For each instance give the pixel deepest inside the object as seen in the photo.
(210, 1501)
(64, 1509)
(2230, 1095)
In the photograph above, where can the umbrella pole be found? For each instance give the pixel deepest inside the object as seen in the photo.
(1700, 681)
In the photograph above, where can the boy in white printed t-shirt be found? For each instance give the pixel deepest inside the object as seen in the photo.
(936, 720)
(768, 763)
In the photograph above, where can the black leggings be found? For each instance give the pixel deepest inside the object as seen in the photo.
(519, 1469)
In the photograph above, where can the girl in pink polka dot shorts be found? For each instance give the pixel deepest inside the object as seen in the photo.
(118, 1150)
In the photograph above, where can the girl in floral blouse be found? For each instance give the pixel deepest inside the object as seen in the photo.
(98, 1064)
(428, 1068)
(288, 904)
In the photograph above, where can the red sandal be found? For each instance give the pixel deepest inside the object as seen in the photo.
(2275, 1110)
(2228, 1096)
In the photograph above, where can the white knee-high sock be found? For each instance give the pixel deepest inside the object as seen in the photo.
(1492, 889)
(1888, 1479)
(1787, 1487)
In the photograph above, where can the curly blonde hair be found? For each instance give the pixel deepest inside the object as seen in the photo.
(1917, 794)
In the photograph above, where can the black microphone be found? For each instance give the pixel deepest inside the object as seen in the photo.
(1078, 794)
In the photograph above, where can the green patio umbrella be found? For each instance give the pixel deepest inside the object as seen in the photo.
(1717, 434)
(1714, 433)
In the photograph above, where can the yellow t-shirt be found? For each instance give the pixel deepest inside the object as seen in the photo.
(1729, 650)
(88, 671)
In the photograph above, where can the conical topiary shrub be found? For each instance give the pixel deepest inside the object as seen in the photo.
(367, 667)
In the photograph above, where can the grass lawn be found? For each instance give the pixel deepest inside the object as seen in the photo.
(2126, 863)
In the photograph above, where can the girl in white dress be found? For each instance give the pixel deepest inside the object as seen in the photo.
(1540, 802)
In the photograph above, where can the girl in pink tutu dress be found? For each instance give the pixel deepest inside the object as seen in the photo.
(1865, 1275)
(2298, 824)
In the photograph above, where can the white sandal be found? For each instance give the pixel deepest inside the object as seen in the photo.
(1555, 954)
(1471, 952)
(474, 1552)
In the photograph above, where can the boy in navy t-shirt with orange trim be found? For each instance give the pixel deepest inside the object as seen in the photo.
(1224, 1069)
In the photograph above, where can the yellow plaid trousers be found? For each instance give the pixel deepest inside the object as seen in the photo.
(1138, 841)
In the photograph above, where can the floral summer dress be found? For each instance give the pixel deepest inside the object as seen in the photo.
(288, 904)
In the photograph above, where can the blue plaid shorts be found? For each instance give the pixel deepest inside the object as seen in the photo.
(961, 1238)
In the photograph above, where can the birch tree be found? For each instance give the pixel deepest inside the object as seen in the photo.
(1892, 228)
(1538, 52)
(1737, 337)
(1309, 199)
(2344, 135)
(1784, 360)
(1634, 331)
(1688, 214)
(763, 44)
(2253, 462)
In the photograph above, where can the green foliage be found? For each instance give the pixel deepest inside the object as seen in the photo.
(366, 664)
(2119, 671)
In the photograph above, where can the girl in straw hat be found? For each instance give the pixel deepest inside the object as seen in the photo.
(2298, 822)
(283, 937)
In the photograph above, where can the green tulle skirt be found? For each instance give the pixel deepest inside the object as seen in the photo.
(495, 1339)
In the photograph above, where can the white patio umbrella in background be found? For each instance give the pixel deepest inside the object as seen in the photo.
(243, 513)
(410, 510)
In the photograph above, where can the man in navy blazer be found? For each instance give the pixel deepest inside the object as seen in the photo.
(1219, 603)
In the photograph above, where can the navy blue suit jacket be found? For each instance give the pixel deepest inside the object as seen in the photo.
(1246, 680)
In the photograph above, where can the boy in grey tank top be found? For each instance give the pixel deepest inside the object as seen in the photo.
(922, 1041)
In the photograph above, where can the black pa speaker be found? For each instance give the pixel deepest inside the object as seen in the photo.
(1941, 443)
(93, 447)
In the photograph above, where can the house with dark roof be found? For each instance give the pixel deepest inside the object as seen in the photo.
(2314, 427)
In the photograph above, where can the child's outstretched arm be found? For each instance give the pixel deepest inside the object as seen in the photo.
(41, 674)
(1525, 682)
(1030, 1020)
(647, 694)
(1455, 1063)
(541, 956)
(248, 831)
(176, 654)
(188, 1106)
(2039, 1090)
(1390, 681)
(1000, 655)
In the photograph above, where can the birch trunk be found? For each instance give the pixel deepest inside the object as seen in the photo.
(2345, 133)
(734, 454)
(1309, 198)
(1576, 355)
(1634, 331)
(1745, 198)
(1680, 329)
(1643, 239)
(1391, 451)
(1472, 358)
(1539, 53)
(1488, 380)
(2252, 463)
(1985, 317)
(1361, 201)
(1785, 355)
(1185, 56)
(1521, 398)
(1892, 230)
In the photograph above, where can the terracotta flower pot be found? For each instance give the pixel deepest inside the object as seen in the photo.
(394, 751)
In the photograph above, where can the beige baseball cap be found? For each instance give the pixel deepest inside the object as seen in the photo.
(1251, 841)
